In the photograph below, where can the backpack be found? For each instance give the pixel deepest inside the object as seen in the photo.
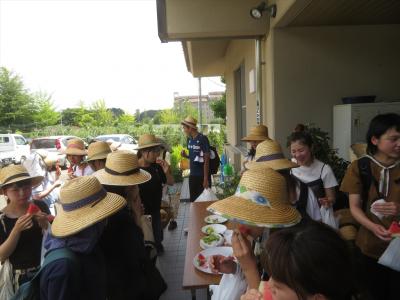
(364, 169)
(31, 289)
(214, 160)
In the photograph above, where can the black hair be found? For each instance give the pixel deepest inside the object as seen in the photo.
(301, 135)
(378, 127)
(116, 189)
(311, 259)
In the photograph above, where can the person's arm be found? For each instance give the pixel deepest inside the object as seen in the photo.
(330, 184)
(330, 197)
(359, 215)
(166, 168)
(7, 248)
(45, 193)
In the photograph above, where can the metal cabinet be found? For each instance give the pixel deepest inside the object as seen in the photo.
(351, 121)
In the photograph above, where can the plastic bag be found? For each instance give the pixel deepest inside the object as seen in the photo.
(391, 257)
(6, 280)
(231, 287)
(328, 217)
(206, 195)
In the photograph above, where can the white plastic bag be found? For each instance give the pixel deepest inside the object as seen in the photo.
(206, 195)
(6, 280)
(391, 257)
(328, 217)
(147, 228)
(231, 287)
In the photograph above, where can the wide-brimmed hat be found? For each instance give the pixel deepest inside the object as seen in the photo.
(257, 133)
(190, 122)
(83, 202)
(98, 150)
(122, 169)
(269, 154)
(261, 199)
(75, 147)
(148, 141)
(15, 173)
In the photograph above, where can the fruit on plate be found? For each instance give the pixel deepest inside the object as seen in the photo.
(210, 239)
(210, 230)
(33, 209)
(201, 260)
(394, 229)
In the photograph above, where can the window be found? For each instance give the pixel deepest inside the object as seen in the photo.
(43, 144)
(4, 139)
(240, 104)
(20, 140)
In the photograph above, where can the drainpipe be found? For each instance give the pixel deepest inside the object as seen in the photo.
(259, 81)
(200, 105)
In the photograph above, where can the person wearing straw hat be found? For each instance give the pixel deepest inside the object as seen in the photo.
(261, 200)
(151, 191)
(199, 157)
(257, 134)
(20, 229)
(122, 241)
(97, 155)
(269, 154)
(84, 207)
(76, 153)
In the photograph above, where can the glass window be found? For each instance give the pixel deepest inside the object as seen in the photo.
(20, 140)
(4, 139)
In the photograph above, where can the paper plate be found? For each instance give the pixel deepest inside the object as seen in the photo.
(215, 219)
(220, 242)
(225, 251)
(214, 228)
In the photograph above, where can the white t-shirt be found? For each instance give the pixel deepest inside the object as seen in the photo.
(83, 172)
(311, 173)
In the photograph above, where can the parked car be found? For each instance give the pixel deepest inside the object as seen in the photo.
(54, 145)
(13, 148)
(123, 141)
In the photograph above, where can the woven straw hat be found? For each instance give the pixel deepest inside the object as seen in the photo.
(269, 154)
(190, 122)
(84, 202)
(75, 147)
(257, 133)
(260, 200)
(98, 150)
(148, 141)
(15, 173)
(122, 169)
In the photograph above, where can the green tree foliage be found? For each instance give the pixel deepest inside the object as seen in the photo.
(46, 114)
(126, 120)
(16, 104)
(69, 116)
(101, 115)
(219, 107)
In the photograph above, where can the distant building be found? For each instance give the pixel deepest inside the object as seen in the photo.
(206, 111)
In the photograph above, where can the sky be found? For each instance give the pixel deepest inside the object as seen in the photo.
(85, 50)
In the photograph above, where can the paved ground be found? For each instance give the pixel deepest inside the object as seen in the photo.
(172, 262)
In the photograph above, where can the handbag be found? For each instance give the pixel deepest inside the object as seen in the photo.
(6, 280)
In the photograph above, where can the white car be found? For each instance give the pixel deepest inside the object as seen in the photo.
(13, 148)
(121, 141)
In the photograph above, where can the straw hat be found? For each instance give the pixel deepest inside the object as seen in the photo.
(84, 202)
(122, 168)
(269, 154)
(190, 122)
(257, 133)
(45, 156)
(98, 150)
(260, 200)
(15, 173)
(148, 141)
(75, 147)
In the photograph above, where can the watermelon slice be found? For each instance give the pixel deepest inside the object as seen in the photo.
(50, 218)
(244, 229)
(201, 260)
(394, 229)
(265, 290)
(33, 209)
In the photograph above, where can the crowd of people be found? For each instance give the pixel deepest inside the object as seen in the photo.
(86, 239)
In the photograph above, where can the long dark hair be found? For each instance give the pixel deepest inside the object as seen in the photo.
(310, 259)
(378, 127)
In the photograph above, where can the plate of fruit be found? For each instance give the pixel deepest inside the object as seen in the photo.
(213, 228)
(201, 260)
(211, 240)
(215, 219)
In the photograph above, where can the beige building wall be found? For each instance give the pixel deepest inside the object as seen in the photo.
(314, 67)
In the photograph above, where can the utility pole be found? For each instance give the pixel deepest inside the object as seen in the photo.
(199, 105)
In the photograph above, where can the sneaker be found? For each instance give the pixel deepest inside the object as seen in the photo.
(172, 225)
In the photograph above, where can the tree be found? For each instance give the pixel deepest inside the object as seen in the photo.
(219, 107)
(126, 120)
(117, 112)
(45, 115)
(16, 104)
(169, 116)
(101, 114)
